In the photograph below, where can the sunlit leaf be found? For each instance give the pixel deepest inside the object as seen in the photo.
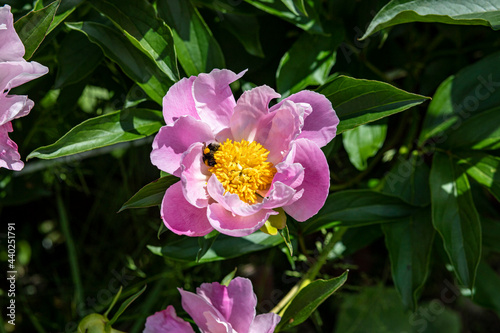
(138, 66)
(477, 12)
(33, 27)
(138, 21)
(308, 299)
(151, 194)
(455, 218)
(116, 127)
(358, 101)
(186, 249)
(197, 49)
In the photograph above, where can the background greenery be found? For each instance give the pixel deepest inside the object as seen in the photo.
(413, 212)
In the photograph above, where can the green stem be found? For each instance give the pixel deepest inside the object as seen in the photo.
(311, 274)
(72, 255)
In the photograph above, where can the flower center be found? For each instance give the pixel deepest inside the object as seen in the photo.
(242, 168)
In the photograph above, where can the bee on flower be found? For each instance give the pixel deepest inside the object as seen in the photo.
(241, 162)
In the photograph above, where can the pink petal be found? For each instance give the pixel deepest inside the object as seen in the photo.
(15, 73)
(217, 325)
(265, 323)
(194, 176)
(234, 225)
(230, 201)
(179, 101)
(291, 174)
(11, 47)
(166, 321)
(174, 140)
(280, 195)
(316, 180)
(252, 106)
(180, 216)
(213, 97)
(321, 125)
(9, 156)
(235, 302)
(281, 131)
(199, 308)
(12, 107)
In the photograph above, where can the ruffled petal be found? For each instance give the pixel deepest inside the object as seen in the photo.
(13, 107)
(166, 321)
(280, 195)
(230, 224)
(198, 308)
(9, 156)
(250, 111)
(173, 141)
(194, 176)
(321, 125)
(11, 47)
(180, 216)
(15, 73)
(179, 101)
(236, 302)
(316, 181)
(284, 127)
(214, 99)
(265, 323)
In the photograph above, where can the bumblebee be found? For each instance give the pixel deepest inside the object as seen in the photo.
(208, 153)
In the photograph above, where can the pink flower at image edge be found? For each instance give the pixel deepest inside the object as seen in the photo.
(216, 308)
(14, 71)
(267, 158)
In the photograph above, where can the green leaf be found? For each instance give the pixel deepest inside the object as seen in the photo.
(76, 48)
(353, 208)
(363, 142)
(33, 27)
(309, 22)
(138, 21)
(150, 195)
(308, 299)
(285, 234)
(470, 92)
(186, 248)
(481, 131)
(106, 130)
(491, 233)
(197, 49)
(409, 242)
(488, 288)
(65, 9)
(409, 180)
(308, 62)
(483, 168)
(455, 217)
(358, 101)
(138, 66)
(205, 243)
(124, 306)
(246, 29)
(465, 12)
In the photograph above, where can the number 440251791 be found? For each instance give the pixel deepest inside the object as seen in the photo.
(11, 247)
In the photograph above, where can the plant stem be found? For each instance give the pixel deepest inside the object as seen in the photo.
(311, 274)
(72, 255)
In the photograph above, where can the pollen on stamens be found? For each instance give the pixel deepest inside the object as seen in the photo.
(243, 169)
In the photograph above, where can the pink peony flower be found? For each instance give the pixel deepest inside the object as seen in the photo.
(216, 309)
(240, 161)
(14, 71)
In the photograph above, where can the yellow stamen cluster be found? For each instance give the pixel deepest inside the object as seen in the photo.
(242, 168)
